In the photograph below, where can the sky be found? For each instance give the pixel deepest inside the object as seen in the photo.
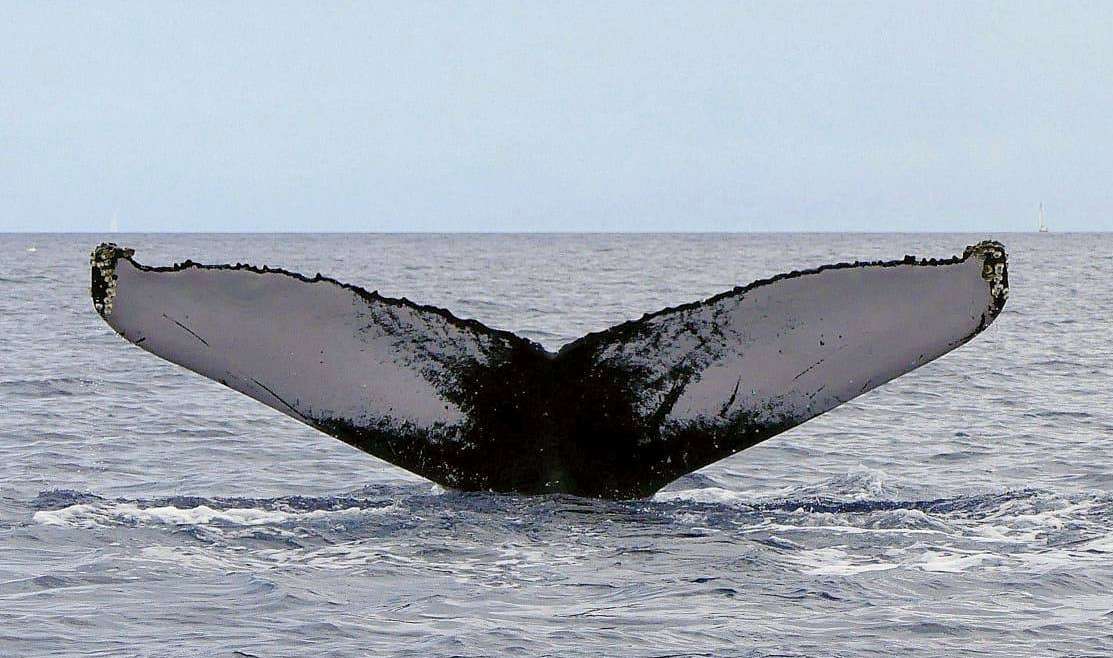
(555, 116)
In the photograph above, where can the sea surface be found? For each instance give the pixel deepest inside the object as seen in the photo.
(963, 509)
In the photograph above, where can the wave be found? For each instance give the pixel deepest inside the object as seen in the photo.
(1023, 508)
(43, 388)
(407, 530)
(99, 514)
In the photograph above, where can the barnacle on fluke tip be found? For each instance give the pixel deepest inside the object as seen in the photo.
(103, 262)
(618, 413)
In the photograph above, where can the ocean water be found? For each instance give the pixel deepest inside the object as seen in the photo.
(966, 507)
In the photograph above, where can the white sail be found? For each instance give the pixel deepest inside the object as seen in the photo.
(1043, 224)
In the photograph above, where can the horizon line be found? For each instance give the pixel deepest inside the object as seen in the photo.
(529, 232)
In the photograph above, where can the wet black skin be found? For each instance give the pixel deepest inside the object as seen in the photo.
(540, 424)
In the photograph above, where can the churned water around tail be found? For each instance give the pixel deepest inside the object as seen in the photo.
(966, 506)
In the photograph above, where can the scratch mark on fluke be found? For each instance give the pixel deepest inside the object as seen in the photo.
(618, 413)
(732, 398)
(191, 332)
(276, 396)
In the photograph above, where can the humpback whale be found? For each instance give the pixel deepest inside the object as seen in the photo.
(618, 413)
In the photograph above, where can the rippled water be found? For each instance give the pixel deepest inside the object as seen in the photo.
(966, 507)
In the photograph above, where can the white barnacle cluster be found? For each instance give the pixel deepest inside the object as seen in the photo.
(103, 262)
(994, 269)
(998, 282)
(994, 272)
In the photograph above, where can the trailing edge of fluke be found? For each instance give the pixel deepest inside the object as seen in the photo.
(615, 414)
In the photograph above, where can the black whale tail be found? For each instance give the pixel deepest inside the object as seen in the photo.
(617, 414)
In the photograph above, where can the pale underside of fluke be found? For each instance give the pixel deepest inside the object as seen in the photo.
(614, 414)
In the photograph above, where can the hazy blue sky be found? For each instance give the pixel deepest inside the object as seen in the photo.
(556, 116)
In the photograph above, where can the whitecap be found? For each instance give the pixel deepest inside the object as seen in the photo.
(89, 515)
(953, 562)
(716, 495)
(834, 562)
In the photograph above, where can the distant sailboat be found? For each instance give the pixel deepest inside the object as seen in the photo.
(114, 227)
(1043, 224)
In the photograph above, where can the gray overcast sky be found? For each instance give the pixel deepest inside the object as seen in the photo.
(556, 116)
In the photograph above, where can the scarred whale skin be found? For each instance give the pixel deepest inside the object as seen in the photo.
(615, 414)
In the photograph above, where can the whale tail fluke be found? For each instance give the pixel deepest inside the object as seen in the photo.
(618, 414)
